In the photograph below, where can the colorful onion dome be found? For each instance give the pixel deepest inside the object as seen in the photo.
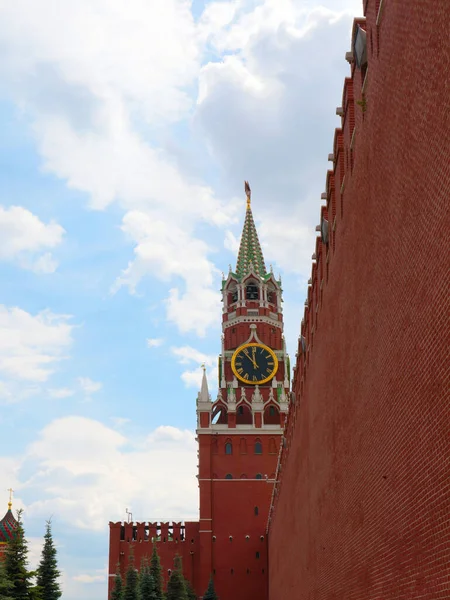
(7, 526)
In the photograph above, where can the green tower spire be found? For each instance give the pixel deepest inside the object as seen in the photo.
(250, 250)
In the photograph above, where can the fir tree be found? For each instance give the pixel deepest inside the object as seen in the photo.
(189, 590)
(210, 592)
(131, 580)
(5, 584)
(47, 572)
(16, 561)
(117, 593)
(146, 583)
(176, 589)
(156, 573)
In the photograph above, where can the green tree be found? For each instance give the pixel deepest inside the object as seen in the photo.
(210, 592)
(5, 584)
(189, 590)
(131, 580)
(146, 583)
(176, 589)
(47, 572)
(16, 562)
(156, 573)
(117, 593)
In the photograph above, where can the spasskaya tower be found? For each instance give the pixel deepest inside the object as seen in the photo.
(239, 433)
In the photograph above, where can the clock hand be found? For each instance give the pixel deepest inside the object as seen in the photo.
(250, 358)
(254, 357)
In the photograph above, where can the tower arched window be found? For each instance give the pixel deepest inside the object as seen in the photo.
(233, 296)
(244, 415)
(272, 295)
(252, 291)
(228, 448)
(271, 415)
(258, 476)
(272, 446)
(228, 476)
(258, 447)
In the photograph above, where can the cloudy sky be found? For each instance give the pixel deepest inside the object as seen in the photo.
(127, 130)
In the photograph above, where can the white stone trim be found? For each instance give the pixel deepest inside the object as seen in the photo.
(264, 430)
(246, 319)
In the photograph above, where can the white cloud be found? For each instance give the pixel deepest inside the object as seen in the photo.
(288, 241)
(88, 386)
(76, 458)
(85, 86)
(192, 378)
(23, 236)
(31, 345)
(154, 342)
(86, 578)
(121, 50)
(231, 242)
(59, 393)
(187, 355)
(165, 250)
(120, 421)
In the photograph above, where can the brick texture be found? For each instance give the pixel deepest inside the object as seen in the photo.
(361, 509)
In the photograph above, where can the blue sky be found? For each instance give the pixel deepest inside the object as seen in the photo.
(127, 130)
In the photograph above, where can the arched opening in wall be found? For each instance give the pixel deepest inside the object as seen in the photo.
(258, 447)
(228, 476)
(272, 296)
(256, 511)
(251, 290)
(271, 415)
(258, 476)
(220, 416)
(232, 295)
(243, 446)
(272, 446)
(228, 447)
(244, 415)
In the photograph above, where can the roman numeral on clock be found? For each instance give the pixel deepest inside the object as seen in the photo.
(240, 370)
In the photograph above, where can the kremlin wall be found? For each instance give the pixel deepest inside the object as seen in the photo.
(361, 506)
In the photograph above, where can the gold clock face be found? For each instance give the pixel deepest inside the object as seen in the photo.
(254, 363)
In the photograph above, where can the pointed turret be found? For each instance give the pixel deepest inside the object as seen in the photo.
(203, 395)
(250, 253)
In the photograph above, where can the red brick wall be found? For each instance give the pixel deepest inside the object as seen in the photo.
(137, 538)
(362, 509)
